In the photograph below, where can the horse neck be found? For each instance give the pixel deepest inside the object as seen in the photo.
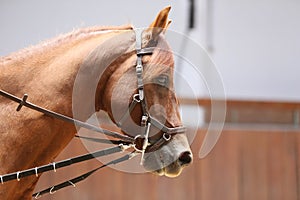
(48, 78)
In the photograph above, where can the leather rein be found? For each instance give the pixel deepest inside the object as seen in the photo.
(123, 142)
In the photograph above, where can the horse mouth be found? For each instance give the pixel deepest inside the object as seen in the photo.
(172, 170)
(168, 173)
(170, 159)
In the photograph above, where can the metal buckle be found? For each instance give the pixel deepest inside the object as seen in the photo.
(167, 137)
(136, 98)
(144, 120)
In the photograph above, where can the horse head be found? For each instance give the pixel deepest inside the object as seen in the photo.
(121, 88)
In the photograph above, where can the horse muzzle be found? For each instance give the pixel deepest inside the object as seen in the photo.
(171, 158)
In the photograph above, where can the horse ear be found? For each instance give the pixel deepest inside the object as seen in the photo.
(161, 22)
(168, 24)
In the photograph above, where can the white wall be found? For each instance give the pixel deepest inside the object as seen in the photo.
(257, 48)
(24, 23)
(256, 45)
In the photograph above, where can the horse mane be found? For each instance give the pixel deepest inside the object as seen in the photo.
(73, 36)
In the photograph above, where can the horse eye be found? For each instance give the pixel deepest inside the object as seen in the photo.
(163, 80)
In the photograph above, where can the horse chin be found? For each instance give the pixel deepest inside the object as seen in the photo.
(159, 172)
(169, 171)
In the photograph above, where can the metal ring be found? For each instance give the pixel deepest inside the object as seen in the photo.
(134, 145)
(136, 98)
(54, 167)
(51, 192)
(72, 183)
(136, 137)
(36, 172)
(136, 149)
(18, 176)
(1, 178)
(167, 137)
(37, 196)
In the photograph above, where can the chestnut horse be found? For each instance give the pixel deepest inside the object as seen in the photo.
(105, 57)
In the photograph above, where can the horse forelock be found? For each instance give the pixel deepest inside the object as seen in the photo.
(162, 59)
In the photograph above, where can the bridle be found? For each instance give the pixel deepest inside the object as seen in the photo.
(124, 142)
(146, 120)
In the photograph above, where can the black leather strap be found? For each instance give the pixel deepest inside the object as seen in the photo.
(56, 165)
(79, 178)
(59, 116)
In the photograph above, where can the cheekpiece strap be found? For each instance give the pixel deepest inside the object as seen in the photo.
(139, 64)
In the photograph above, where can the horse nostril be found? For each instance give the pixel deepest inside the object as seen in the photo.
(185, 158)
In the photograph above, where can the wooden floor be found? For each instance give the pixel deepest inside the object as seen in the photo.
(244, 165)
